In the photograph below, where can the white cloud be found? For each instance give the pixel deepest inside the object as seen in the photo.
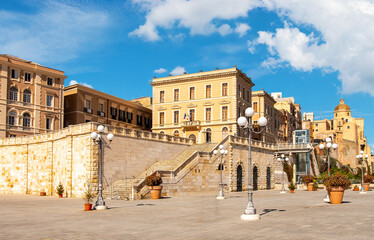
(345, 43)
(73, 82)
(160, 70)
(178, 71)
(196, 15)
(56, 32)
(242, 29)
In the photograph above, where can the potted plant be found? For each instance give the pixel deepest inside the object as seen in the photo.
(60, 190)
(43, 193)
(355, 188)
(367, 180)
(308, 180)
(335, 186)
(153, 182)
(315, 186)
(88, 196)
(292, 187)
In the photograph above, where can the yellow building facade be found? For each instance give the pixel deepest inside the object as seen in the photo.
(203, 106)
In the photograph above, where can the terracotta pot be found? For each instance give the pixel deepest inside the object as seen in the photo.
(155, 191)
(310, 186)
(43, 194)
(314, 189)
(87, 207)
(60, 195)
(366, 186)
(292, 191)
(336, 195)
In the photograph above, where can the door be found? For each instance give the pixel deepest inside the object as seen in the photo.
(268, 179)
(255, 178)
(209, 135)
(239, 178)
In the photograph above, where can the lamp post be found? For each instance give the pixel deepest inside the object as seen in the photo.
(222, 153)
(283, 158)
(329, 145)
(97, 138)
(244, 123)
(361, 157)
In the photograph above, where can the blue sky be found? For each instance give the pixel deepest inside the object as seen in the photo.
(313, 50)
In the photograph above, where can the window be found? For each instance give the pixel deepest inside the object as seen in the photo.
(255, 106)
(176, 117)
(247, 96)
(27, 77)
(14, 74)
(139, 120)
(162, 118)
(88, 104)
(87, 120)
(176, 95)
(208, 91)
(243, 93)
(101, 107)
(48, 123)
(49, 81)
(208, 114)
(348, 127)
(12, 118)
(347, 114)
(129, 117)
(49, 100)
(27, 96)
(162, 96)
(192, 93)
(176, 133)
(240, 93)
(122, 115)
(224, 89)
(192, 114)
(346, 120)
(224, 112)
(13, 94)
(113, 112)
(12, 135)
(26, 120)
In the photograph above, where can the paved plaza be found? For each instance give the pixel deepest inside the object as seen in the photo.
(302, 215)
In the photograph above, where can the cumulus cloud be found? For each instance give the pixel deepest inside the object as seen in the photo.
(242, 29)
(160, 70)
(178, 71)
(341, 39)
(58, 31)
(196, 15)
(73, 82)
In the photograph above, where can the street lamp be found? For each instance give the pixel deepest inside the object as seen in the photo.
(283, 158)
(244, 123)
(222, 153)
(329, 145)
(361, 157)
(96, 137)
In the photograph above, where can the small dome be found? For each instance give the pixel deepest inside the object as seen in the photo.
(342, 107)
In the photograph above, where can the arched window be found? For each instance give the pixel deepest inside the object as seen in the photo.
(26, 120)
(225, 132)
(13, 94)
(176, 133)
(162, 132)
(27, 96)
(12, 118)
(193, 137)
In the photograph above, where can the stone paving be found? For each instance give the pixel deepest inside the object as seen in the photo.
(302, 215)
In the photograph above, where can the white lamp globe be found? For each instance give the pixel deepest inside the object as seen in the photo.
(328, 140)
(110, 136)
(360, 155)
(242, 121)
(279, 159)
(220, 146)
(321, 146)
(215, 152)
(287, 159)
(361, 152)
(100, 128)
(222, 151)
(357, 156)
(282, 155)
(94, 135)
(335, 146)
(249, 112)
(366, 156)
(226, 152)
(262, 121)
(329, 145)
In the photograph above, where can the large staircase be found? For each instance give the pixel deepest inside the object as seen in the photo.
(123, 188)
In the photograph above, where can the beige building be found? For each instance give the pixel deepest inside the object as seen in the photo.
(83, 104)
(345, 130)
(203, 106)
(264, 105)
(31, 97)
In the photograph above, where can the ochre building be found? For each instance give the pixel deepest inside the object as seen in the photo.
(84, 104)
(203, 106)
(31, 97)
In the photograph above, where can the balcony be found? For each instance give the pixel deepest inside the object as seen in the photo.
(191, 125)
(87, 110)
(100, 113)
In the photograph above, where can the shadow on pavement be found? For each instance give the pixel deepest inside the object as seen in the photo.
(265, 211)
